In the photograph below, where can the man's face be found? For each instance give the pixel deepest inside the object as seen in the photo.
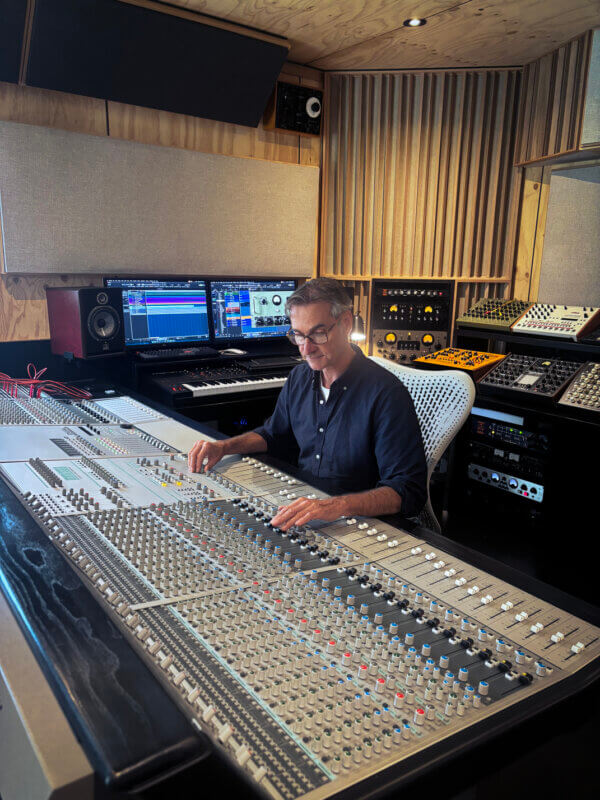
(314, 318)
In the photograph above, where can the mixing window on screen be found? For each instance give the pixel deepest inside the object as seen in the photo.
(250, 309)
(163, 312)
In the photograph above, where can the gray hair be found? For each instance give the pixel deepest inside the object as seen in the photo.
(321, 290)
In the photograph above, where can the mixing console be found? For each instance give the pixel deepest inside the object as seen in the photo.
(25, 410)
(493, 314)
(472, 361)
(584, 389)
(73, 441)
(313, 658)
(542, 377)
(564, 322)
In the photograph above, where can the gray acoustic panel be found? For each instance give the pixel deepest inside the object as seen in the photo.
(590, 134)
(75, 203)
(570, 271)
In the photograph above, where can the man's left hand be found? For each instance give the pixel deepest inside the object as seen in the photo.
(303, 510)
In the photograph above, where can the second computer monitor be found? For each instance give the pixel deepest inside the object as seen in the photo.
(244, 309)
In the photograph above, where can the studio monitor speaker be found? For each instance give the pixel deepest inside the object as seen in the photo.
(295, 109)
(86, 322)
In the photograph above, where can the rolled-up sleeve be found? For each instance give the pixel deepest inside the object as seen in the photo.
(399, 448)
(277, 429)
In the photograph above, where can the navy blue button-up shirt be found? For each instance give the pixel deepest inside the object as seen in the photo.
(365, 435)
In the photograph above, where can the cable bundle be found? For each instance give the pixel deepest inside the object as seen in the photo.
(37, 386)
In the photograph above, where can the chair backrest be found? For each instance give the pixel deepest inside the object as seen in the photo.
(443, 400)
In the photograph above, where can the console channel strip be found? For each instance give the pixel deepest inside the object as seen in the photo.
(314, 658)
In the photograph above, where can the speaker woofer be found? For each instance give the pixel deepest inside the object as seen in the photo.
(103, 323)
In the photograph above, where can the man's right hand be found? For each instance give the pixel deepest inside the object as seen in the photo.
(212, 451)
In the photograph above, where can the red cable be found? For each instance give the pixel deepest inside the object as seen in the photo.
(37, 386)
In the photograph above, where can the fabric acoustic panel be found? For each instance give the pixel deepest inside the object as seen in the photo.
(570, 267)
(75, 203)
(148, 57)
(590, 135)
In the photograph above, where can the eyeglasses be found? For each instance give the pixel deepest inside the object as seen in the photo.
(319, 337)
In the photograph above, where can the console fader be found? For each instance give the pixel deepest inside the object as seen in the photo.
(313, 658)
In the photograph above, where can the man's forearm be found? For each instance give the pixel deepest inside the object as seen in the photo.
(372, 503)
(244, 443)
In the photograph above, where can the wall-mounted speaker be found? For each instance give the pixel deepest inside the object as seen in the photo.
(295, 109)
(86, 322)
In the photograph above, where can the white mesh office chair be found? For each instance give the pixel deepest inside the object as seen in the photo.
(443, 401)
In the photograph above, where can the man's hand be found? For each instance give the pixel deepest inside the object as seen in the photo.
(212, 451)
(372, 503)
(303, 510)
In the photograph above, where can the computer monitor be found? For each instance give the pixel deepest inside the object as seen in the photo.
(246, 309)
(163, 311)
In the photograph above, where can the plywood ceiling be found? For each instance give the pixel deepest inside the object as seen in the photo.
(368, 34)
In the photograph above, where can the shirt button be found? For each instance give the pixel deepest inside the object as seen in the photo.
(321, 430)
(317, 456)
(321, 401)
(345, 387)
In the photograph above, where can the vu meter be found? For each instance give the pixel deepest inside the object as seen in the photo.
(410, 318)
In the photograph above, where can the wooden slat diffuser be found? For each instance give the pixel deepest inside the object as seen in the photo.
(552, 102)
(417, 175)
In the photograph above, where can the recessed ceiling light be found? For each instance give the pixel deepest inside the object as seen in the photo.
(414, 22)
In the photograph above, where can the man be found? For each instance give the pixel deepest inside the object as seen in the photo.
(339, 416)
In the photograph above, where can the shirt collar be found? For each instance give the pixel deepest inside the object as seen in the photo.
(348, 375)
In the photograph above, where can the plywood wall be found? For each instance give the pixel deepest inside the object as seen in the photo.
(22, 299)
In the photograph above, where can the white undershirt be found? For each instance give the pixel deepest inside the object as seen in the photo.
(324, 391)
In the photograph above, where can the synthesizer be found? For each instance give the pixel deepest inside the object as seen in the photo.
(563, 322)
(248, 384)
(313, 659)
(493, 314)
(584, 390)
(539, 377)
(474, 362)
(410, 318)
(211, 381)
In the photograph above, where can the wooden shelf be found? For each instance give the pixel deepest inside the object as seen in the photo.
(462, 279)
